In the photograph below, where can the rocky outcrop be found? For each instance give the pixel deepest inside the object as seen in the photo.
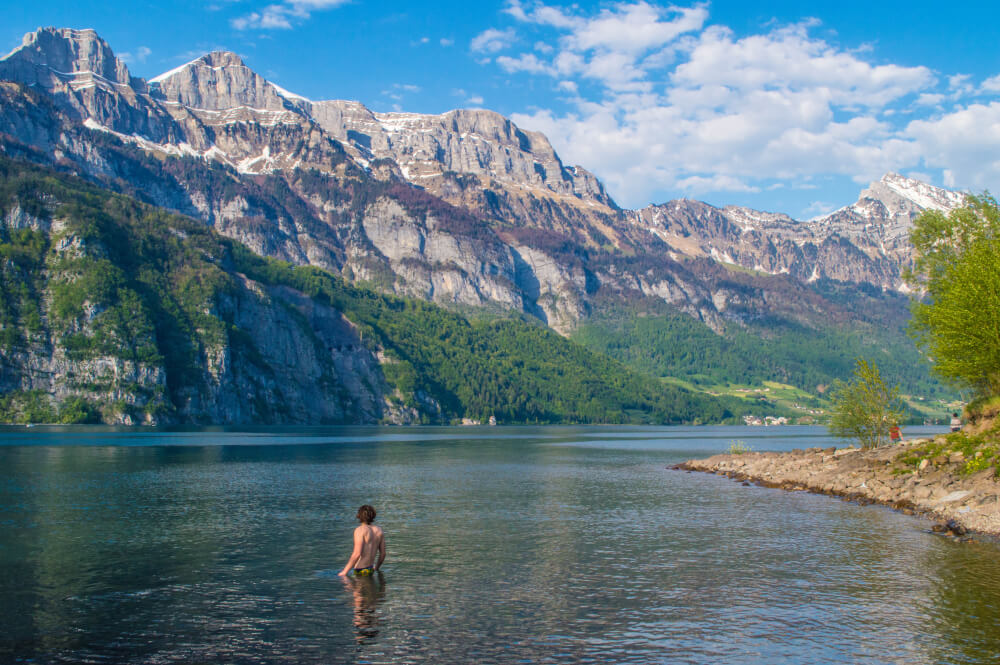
(51, 58)
(937, 489)
(218, 81)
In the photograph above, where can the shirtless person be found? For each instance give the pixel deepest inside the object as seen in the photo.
(368, 542)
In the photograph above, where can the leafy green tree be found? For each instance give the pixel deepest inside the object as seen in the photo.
(864, 408)
(957, 322)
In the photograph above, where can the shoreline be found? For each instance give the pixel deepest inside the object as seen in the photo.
(960, 505)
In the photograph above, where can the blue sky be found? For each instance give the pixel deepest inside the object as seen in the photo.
(770, 105)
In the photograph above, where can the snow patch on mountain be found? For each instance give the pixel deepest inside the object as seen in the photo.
(288, 95)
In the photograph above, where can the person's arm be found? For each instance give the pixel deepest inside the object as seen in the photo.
(356, 554)
(381, 552)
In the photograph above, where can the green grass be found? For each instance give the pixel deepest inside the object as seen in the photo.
(979, 452)
(765, 398)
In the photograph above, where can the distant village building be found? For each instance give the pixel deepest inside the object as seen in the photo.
(757, 421)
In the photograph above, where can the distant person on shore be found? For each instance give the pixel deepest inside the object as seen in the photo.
(895, 434)
(956, 422)
(369, 545)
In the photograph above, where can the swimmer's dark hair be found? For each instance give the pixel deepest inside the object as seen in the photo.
(366, 514)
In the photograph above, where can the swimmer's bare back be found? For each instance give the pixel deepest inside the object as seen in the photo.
(369, 549)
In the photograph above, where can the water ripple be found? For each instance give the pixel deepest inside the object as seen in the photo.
(550, 545)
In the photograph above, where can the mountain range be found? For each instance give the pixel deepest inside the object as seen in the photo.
(463, 209)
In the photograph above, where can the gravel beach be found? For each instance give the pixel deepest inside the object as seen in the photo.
(958, 503)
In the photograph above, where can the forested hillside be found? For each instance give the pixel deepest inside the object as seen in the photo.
(663, 342)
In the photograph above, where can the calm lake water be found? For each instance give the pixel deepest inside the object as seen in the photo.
(506, 545)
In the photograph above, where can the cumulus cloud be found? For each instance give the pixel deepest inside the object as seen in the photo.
(965, 144)
(676, 104)
(283, 15)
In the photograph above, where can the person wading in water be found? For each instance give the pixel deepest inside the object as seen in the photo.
(369, 545)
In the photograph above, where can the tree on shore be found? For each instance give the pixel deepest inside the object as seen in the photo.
(864, 408)
(957, 322)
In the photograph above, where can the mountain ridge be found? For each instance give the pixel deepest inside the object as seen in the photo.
(463, 208)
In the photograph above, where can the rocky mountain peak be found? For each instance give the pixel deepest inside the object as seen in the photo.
(218, 81)
(468, 141)
(905, 193)
(54, 56)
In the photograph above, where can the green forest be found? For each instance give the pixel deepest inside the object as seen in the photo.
(668, 343)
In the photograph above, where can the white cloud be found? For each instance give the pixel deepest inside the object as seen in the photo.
(636, 28)
(929, 99)
(818, 209)
(526, 62)
(788, 59)
(399, 90)
(609, 46)
(964, 143)
(700, 184)
(492, 40)
(569, 86)
(283, 15)
(269, 18)
(677, 104)
(446, 42)
(992, 84)
(475, 100)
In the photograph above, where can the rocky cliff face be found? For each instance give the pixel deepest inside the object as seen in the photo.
(865, 242)
(477, 160)
(256, 353)
(53, 58)
(462, 208)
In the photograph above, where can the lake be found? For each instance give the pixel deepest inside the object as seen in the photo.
(506, 545)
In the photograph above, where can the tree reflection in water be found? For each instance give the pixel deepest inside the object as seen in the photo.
(368, 592)
(965, 603)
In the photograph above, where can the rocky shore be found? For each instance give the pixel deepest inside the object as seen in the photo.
(960, 503)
